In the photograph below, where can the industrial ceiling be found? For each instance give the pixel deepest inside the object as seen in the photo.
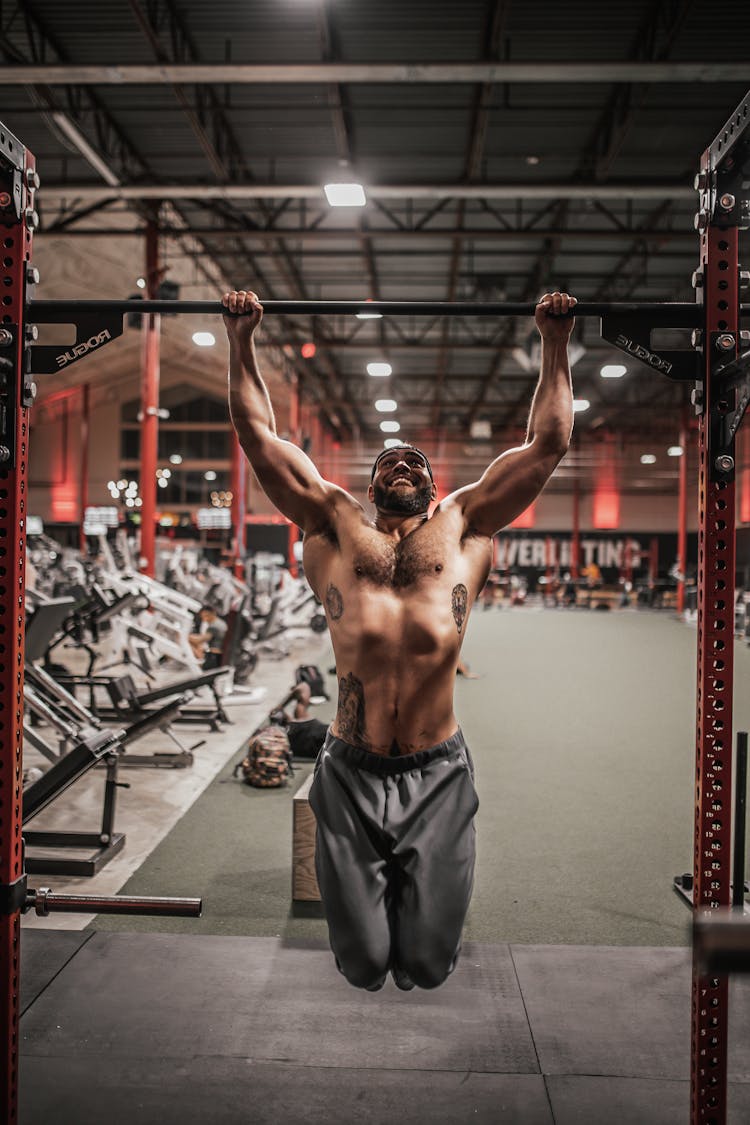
(504, 148)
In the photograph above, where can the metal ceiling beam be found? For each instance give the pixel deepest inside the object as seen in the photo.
(375, 73)
(525, 191)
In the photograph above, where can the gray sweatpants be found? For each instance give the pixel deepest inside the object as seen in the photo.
(394, 857)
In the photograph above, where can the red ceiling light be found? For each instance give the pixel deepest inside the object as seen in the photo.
(308, 351)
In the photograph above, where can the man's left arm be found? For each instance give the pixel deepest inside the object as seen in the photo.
(516, 477)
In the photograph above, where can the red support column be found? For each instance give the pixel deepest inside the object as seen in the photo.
(17, 164)
(653, 561)
(627, 568)
(575, 546)
(84, 481)
(682, 514)
(150, 406)
(239, 506)
(716, 579)
(294, 435)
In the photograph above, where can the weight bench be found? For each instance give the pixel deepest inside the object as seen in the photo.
(101, 846)
(130, 703)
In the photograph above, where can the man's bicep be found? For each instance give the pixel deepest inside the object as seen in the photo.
(290, 480)
(506, 488)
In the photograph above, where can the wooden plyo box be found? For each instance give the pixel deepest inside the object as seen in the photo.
(304, 881)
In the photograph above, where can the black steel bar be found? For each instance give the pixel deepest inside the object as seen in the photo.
(740, 799)
(676, 314)
(45, 901)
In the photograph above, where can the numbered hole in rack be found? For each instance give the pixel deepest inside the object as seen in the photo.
(720, 584)
(719, 625)
(721, 544)
(718, 685)
(721, 505)
(721, 564)
(723, 305)
(717, 725)
(8, 243)
(723, 285)
(723, 264)
(723, 245)
(720, 525)
(719, 646)
(720, 604)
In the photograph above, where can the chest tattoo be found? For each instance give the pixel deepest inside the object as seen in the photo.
(334, 603)
(351, 711)
(459, 602)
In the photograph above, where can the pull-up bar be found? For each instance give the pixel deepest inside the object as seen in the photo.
(675, 314)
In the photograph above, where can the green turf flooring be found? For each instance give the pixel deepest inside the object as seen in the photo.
(582, 731)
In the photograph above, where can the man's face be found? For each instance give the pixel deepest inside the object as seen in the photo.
(402, 483)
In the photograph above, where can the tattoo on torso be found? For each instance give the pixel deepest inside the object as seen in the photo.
(351, 711)
(459, 603)
(334, 603)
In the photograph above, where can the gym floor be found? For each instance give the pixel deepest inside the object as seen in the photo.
(571, 1002)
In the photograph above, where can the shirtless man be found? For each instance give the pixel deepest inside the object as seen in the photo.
(393, 792)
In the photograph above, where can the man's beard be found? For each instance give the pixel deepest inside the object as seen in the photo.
(403, 503)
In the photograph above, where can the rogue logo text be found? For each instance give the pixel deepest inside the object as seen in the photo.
(81, 349)
(640, 352)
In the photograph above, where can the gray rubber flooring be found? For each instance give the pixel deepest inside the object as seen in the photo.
(155, 1029)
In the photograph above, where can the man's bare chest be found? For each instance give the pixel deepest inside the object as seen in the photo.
(397, 565)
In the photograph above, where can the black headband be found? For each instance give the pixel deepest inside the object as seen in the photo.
(396, 449)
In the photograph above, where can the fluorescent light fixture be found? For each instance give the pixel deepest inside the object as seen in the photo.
(392, 443)
(141, 283)
(613, 371)
(369, 316)
(675, 451)
(77, 139)
(580, 404)
(386, 405)
(379, 369)
(345, 195)
(204, 339)
(162, 483)
(210, 475)
(176, 458)
(390, 427)
(648, 459)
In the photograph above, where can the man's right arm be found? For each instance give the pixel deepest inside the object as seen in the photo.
(286, 473)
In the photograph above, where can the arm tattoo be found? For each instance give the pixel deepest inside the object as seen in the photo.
(351, 711)
(459, 602)
(334, 603)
